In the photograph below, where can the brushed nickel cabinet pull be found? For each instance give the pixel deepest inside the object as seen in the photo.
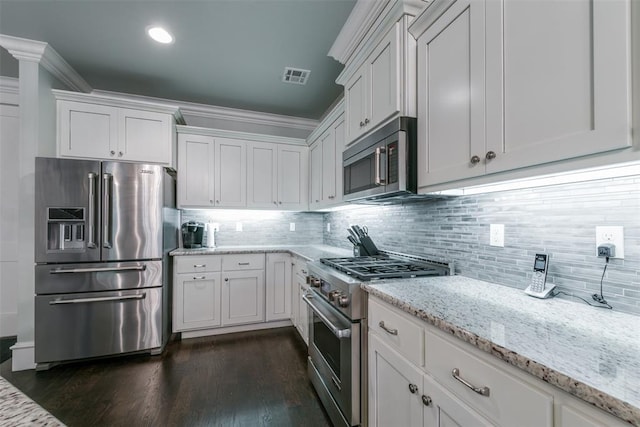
(475, 160)
(387, 329)
(480, 390)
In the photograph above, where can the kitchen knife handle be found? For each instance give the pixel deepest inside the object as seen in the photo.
(106, 211)
(91, 214)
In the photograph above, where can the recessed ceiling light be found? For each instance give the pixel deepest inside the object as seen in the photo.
(159, 34)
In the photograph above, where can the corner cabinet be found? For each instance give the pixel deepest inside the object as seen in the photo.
(109, 128)
(226, 169)
(505, 85)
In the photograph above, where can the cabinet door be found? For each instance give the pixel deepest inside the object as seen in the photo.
(557, 80)
(355, 101)
(278, 287)
(339, 135)
(231, 173)
(87, 130)
(295, 306)
(195, 171)
(144, 136)
(196, 301)
(451, 95)
(316, 155)
(383, 72)
(395, 388)
(443, 409)
(262, 175)
(328, 141)
(242, 297)
(293, 181)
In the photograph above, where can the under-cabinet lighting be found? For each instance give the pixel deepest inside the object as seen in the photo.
(159, 34)
(592, 174)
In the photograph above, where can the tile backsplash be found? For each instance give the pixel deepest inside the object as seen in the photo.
(559, 220)
(261, 227)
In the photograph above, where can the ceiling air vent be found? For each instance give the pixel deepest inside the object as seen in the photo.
(295, 75)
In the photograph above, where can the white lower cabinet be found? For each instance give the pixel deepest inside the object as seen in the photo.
(458, 384)
(299, 308)
(201, 294)
(278, 287)
(242, 297)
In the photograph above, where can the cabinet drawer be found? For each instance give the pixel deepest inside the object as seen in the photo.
(510, 400)
(402, 334)
(197, 264)
(243, 262)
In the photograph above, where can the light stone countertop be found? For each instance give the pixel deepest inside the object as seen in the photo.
(308, 252)
(17, 409)
(591, 353)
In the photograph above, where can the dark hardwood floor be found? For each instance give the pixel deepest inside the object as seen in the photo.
(245, 379)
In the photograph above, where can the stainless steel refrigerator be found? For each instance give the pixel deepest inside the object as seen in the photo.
(103, 232)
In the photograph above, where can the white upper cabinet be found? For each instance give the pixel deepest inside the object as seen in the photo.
(504, 85)
(277, 176)
(195, 175)
(211, 172)
(216, 170)
(379, 80)
(325, 174)
(107, 128)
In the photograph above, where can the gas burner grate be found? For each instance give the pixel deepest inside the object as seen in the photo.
(374, 268)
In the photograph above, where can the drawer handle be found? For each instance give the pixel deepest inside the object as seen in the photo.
(243, 263)
(388, 330)
(480, 390)
(199, 265)
(199, 278)
(413, 388)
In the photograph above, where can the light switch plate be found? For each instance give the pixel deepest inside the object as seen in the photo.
(328, 227)
(292, 226)
(238, 226)
(496, 235)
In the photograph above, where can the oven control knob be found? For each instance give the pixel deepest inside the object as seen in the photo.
(343, 300)
(315, 282)
(334, 295)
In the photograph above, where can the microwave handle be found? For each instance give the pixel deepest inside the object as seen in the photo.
(379, 180)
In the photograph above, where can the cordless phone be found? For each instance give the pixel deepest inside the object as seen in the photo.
(538, 287)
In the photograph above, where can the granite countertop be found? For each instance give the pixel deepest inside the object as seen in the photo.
(16, 409)
(308, 252)
(591, 353)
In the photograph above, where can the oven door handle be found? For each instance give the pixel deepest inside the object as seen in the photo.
(339, 333)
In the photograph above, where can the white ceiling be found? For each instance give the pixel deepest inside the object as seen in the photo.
(228, 53)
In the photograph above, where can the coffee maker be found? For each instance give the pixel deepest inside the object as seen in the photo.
(192, 233)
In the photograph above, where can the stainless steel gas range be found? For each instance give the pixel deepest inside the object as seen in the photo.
(338, 329)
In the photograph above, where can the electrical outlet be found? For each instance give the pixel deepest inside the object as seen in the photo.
(328, 227)
(612, 235)
(292, 226)
(496, 235)
(238, 226)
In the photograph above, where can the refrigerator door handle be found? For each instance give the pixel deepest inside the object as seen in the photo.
(91, 224)
(106, 211)
(142, 267)
(99, 299)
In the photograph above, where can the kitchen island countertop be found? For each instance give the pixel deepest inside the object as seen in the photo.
(591, 353)
(308, 252)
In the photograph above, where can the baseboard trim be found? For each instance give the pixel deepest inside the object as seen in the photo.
(23, 356)
(239, 328)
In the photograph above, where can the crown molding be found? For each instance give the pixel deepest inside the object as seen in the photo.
(428, 16)
(224, 113)
(45, 55)
(247, 136)
(9, 91)
(115, 99)
(366, 20)
(328, 120)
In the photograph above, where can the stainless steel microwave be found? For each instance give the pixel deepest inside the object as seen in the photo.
(382, 167)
